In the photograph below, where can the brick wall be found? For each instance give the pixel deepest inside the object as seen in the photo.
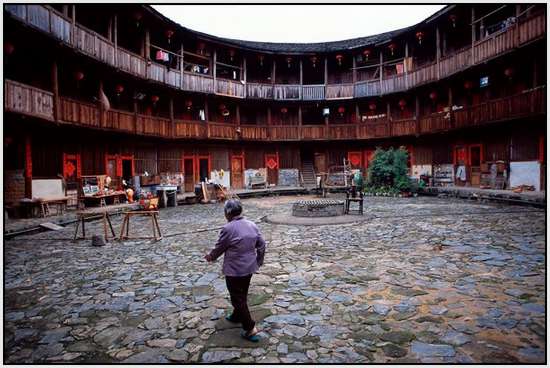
(14, 185)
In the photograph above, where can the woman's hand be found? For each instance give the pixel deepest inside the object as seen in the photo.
(208, 258)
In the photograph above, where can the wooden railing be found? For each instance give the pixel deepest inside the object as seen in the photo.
(435, 122)
(153, 125)
(78, 112)
(284, 132)
(120, 120)
(337, 91)
(254, 132)
(229, 88)
(313, 132)
(48, 20)
(222, 131)
(403, 127)
(343, 131)
(313, 92)
(190, 129)
(28, 100)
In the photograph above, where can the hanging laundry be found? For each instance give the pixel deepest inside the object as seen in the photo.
(461, 172)
(103, 99)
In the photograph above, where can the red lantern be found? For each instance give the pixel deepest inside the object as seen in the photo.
(468, 85)
(433, 95)
(231, 54)
(341, 110)
(284, 110)
(155, 99)
(188, 104)
(137, 18)
(402, 104)
(78, 75)
(452, 18)
(339, 58)
(372, 106)
(261, 59)
(288, 61)
(420, 36)
(8, 48)
(221, 107)
(313, 60)
(509, 72)
(169, 33)
(366, 53)
(201, 48)
(392, 47)
(119, 88)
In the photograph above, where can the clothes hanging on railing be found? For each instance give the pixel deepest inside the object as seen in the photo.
(162, 56)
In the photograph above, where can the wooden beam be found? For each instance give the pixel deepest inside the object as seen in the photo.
(171, 113)
(65, 9)
(437, 50)
(115, 37)
(181, 65)
(101, 107)
(147, 44)
(301, 72)
(244, 75)
(417, 114)
(381, 65)
(55, 90)
(28, 167)
(473, 18)
(405, 68)
(300, 115)
(238, 114)
(450, 102)
(214, 57)
(206, 112)
(326, 70)
(388, 114)
(273, 70)
(353, 69)
(268, 115)
(73, 24)
(110, 29)
(135, 115)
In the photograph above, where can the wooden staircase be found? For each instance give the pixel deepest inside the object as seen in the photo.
(309, 179)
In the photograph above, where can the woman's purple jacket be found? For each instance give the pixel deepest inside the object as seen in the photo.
(243, 246)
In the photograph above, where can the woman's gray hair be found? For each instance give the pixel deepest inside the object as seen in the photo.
(232, 208)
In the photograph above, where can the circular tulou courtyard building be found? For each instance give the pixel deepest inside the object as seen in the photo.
(171, 196)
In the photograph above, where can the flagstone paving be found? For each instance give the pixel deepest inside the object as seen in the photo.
(418, 280)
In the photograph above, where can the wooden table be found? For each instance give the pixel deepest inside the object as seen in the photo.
(102, 199)
(126, 225)
(84, 215)
(43, 206)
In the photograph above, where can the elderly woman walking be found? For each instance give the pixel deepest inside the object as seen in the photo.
(243, 247)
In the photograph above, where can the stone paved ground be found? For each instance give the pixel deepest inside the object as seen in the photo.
(423, 280)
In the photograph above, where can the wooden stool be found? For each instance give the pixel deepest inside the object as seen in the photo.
(359, 200)
(82, 218)
(126, 225)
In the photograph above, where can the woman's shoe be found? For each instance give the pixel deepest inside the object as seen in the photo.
(230, 318)
(251, 335)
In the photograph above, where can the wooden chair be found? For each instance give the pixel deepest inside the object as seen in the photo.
(351, 196)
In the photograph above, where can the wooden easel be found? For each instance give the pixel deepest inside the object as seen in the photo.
(126, 225)
(82, 216)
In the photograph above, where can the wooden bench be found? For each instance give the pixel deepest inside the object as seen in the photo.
(125, 229)
(353, 198)
(84, 215)
(257, 180)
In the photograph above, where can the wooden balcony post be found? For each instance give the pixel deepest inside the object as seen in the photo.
(405, 68)
(55, 90)
(110, 29)
(300, 122)
(135, 116)
(73, 25)
(28, 167)
(214, 58)
(269, 115)
(388, 113)
(181, 66)
(101, 107)
(357, 120)
(301, 78)
(171, 112)
(451, 120)
(381, 67)
(417, 114)
(147, 45)
(473, 18)
(273, 69)
(244, 74)
(206, 112)
(115, 38)
(437, 50)
(326, 70)
(353, 69)
(238, 114)
(65, 9)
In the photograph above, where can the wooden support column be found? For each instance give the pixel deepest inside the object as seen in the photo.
(244, 75)
(110, 29)
(273, 70)
(269, 115)
(405, 68)
(147, 46)
(357, 120)
(171, 112)
(65, 10)
(353, 70)
(388, 114)
(381, 66)
(300, 122)
(473, 18)
(73, 25)
(101, 107)
(214, 63)
(181, 65)
(301, 77)
(28, 167)
(326, 70)
(135, 115)
(206, 112)
(437, 50)
(115, 37)
(238, 115)
(417, 114)
(535, 72)
(451, 115)
(55, 90)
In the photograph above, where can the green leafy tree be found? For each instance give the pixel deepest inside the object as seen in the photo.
(388, 170)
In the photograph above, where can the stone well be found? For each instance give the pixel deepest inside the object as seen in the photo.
(318, 208)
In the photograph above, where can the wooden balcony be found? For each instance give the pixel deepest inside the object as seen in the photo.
(48, 20)
(190, 129)
(403, 127)
(120, 120)
(254, 132)
(284, 132)
(435, 122)
(313, 132)
(153, 125)
(24, 99)
(78, 112)
(343, 131)
(222, 131)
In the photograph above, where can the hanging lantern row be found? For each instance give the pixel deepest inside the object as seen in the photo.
(433, 95)
(341, 110)
(419, 37)
(366, 54)
(284, 110)
(261, 59)
(78, 75)
(188, 104)
(119, 88)
(155, 99)
(137, 18)
(201, 47)
(231, 55)
(402, 104)
(468, 84)
(339, 58)
(452, 18)
(372, 106)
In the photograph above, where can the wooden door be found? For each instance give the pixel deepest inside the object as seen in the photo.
(475, 158)
(189, 174)
(203, 167)
(354, 159)
(460, 159)
(272, 167)
(237, 172)
(320, 162)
